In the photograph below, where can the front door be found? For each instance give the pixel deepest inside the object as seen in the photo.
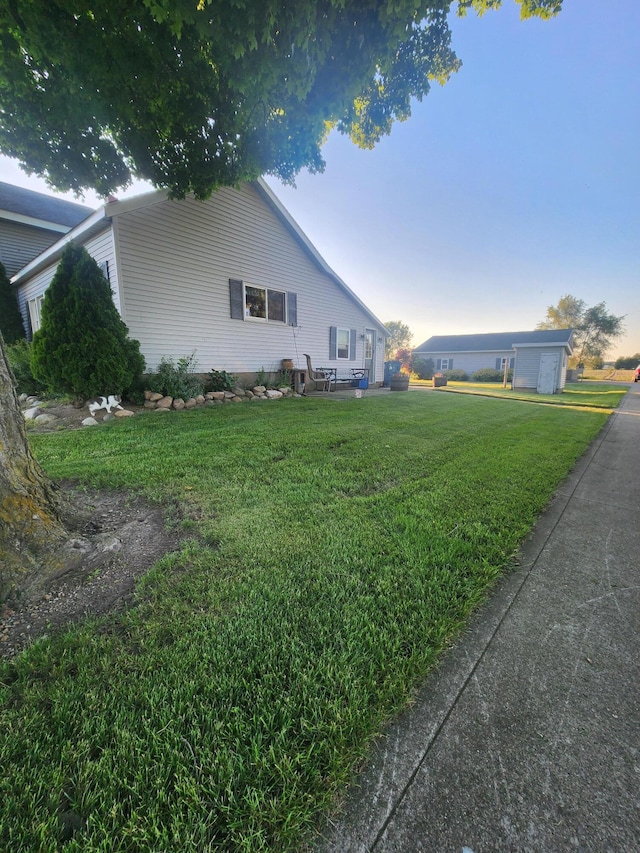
(370, 353)
(548, 372)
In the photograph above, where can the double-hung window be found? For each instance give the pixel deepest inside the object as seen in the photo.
(342, 343)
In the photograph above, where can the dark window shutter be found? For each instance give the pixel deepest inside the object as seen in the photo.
(512, 363)
(450, 364)
(352, 345)
(333, 342)
(236, 299)
(292, 309)
(438, 364)
(498, 364)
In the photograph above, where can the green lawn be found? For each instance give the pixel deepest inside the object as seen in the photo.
(337, 547)
(596, 395)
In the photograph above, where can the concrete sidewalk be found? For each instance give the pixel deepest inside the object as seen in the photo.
(527, 737)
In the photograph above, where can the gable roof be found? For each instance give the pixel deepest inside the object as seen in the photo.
(496, 341)
(40, 210)
(100, 219)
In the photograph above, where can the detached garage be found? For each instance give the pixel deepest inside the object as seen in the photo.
(539, 358)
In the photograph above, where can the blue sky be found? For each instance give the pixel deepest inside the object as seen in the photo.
(516, 183)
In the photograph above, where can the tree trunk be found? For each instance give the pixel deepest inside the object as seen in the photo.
(31, 529)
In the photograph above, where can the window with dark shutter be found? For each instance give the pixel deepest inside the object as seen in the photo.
(352, 345)
(292, 309)
(333, 342)
(236, 299)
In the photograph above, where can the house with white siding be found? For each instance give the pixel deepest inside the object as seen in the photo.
(30, 222)
(538, 359)
(232, 278)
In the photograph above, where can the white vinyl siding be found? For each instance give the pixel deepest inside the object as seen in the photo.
(177, 259)
(467, 361)
(101, 249)
(528, 366)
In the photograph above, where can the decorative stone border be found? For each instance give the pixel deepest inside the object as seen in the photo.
(156, 402)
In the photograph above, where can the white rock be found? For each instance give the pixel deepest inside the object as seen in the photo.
(89, 422)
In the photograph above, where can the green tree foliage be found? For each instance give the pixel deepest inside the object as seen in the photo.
(627, 362)
(424, 368)
(11, 325)
(594, 328)
(82, 347)
(193, 96)
(19, 358)
(400, 337)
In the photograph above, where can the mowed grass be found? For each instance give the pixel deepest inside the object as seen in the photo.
(581, 394)
(337, 548)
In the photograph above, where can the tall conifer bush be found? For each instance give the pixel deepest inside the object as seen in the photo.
(82, 346)
(11, 325)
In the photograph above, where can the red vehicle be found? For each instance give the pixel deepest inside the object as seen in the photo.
(636, 375)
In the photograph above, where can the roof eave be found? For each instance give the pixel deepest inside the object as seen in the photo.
(50, 255)
(311, 250)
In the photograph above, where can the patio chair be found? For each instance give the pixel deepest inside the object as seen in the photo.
(321, 378)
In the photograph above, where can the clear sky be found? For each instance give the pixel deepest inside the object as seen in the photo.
(516, 183)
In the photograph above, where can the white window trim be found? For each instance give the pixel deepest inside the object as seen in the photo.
(347, 332)
(444, 363)
(35, 312)
(267, 290)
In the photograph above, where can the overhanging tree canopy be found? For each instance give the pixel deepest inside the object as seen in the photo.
(194, 95)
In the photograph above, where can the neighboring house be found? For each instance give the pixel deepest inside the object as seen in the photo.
(538, 359)
(30, 222)
(232, 278)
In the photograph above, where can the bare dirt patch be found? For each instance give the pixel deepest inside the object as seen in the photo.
(118, 536)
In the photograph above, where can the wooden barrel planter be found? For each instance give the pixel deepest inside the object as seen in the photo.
(439, 381)
(287, 364)
(399, 382)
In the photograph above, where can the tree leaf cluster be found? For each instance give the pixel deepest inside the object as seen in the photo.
(594, 328)
(400, 337)
(82, 347)
(192, 96)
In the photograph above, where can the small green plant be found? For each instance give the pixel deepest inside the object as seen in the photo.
(220, 380)
(177, 379)
(261, 377)
(285, 379)
(19, 355)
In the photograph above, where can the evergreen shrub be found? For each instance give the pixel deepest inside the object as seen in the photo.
(11, 326)
(82, 347)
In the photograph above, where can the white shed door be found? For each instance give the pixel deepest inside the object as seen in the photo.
(548, 372)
